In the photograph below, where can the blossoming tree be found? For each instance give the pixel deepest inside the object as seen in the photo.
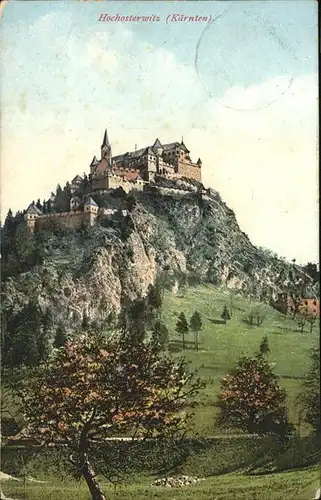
(94, 388)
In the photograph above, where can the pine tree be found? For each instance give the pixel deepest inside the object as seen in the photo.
(60, 337)
(137, 319)
(8, 223)
(38, 204)
(49, 207)
(311, 392)
(225, 314)
(154, 303)
(196, 326)
(182, 327)
(22, 335)
(160, 335)
(85, 321)
(264, 346)
(154, 298)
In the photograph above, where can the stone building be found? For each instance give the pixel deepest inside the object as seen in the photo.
(75, 219)
(285, 303)
(133, 169)
(130, 171)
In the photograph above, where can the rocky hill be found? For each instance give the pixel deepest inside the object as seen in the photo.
(176, 226)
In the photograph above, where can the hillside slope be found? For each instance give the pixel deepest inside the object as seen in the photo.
(174, 226)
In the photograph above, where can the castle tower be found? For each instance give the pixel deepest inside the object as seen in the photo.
(106, 149)
(90, 211)
(31, 215)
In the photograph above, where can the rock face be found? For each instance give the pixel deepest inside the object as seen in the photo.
(177, 482)
(174, 226)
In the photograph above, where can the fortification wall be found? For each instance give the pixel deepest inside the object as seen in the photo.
(189, 170)
(100, 184)
(67, 220)
(115, 182)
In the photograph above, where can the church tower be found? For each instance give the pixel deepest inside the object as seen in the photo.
(106, 149)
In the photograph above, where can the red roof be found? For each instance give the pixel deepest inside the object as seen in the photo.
(102, 165)
(128, 175)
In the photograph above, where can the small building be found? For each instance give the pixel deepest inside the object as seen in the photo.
(285, 303)
(75, 183)
(31, 215)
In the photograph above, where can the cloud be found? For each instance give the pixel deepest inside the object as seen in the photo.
(263, 162)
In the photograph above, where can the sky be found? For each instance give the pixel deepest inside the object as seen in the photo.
(241, 88)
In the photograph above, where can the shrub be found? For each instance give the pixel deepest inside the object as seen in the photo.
(251, 399)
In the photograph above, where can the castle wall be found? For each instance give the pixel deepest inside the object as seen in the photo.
(67, 220)
(114, 182)
(189, 170)
(100, 184)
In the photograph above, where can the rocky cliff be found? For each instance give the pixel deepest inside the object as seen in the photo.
(175, 226)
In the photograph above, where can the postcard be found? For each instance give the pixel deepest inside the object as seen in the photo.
(160, 294)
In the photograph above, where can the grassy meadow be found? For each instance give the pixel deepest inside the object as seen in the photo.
(298, 485)
(221, 345)
(234, 466)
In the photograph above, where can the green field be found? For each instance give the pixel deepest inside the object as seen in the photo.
(221, 345)
(298, 485)
(234, 466)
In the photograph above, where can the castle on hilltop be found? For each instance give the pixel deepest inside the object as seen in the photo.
(131, 171)
(138, 167)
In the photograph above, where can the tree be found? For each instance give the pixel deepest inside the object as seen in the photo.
(62, 200)
(60, 337)
(196, 326)
(296, 304)
(154, 298)
(93, 388)
(49, 207)
(130, 202)
(312, 270)
(164, 281)
(8, 223)
(311, 319)
(24, 246)
(231, 304)
(136, 319)
(264, 346)
(255, 316)
(182, 326)
(23, 337)
(302, 317)
(225, 314)
(311, 392)
(160, 335)
(38, 204)
(251, 399)
(85, 322)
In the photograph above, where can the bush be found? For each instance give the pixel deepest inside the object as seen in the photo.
(255, 316)
(251, 399)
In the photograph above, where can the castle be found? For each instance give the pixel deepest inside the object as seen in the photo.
(138, 167)
(131, 171)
